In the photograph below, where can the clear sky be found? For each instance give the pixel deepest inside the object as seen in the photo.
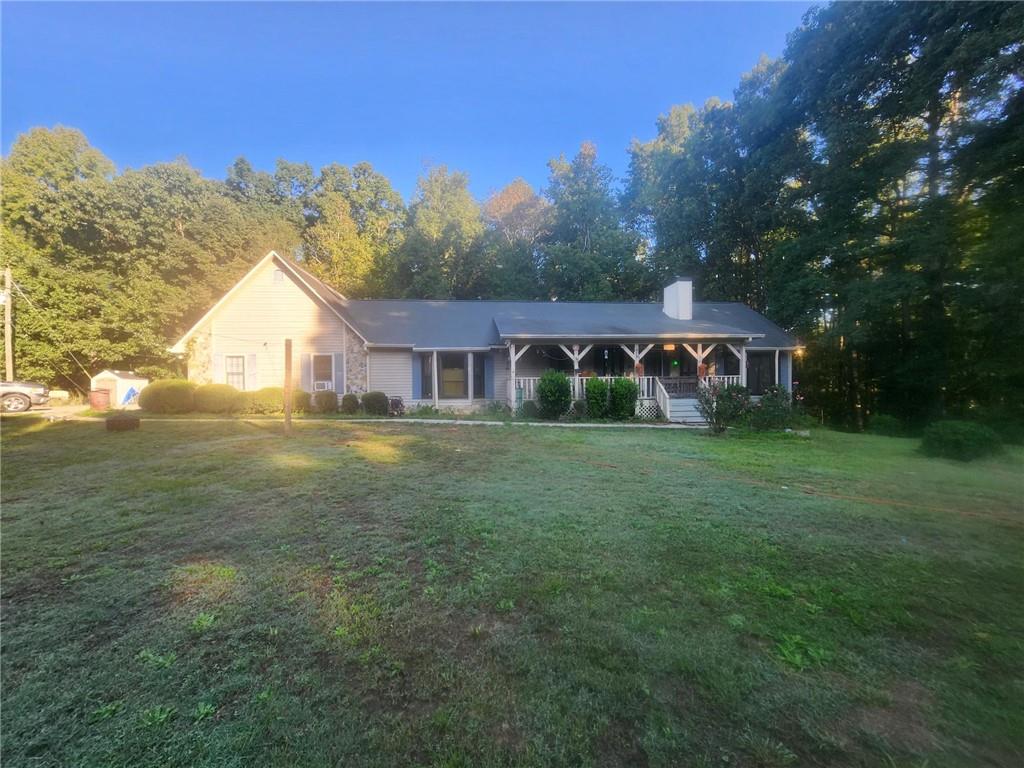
(495, 90)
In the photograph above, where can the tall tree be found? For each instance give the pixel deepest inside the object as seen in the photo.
(441, 256)
(587, 253)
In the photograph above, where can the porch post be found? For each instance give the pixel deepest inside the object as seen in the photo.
(433, 374)
(776, 367)
(511, 375)
(469, 373)
(743, 365)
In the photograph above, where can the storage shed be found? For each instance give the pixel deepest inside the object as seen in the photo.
(124, 386)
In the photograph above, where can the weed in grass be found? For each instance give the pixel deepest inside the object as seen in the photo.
(106, 711)
(203, 711)
(506, 605)
(157, 660)
(800, 653)
(157, 716)
(767, 752)
(203, 621)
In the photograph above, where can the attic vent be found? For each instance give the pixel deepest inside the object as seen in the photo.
(278, 277)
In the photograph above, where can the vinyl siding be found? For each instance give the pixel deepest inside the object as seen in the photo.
(501, 366)
(260, 316)
(391, 373)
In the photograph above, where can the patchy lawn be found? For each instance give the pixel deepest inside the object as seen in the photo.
(380, 595)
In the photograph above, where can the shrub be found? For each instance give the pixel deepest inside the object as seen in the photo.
(773, 411)
(218, 398)
(961, 440)
(122, 421)
(722, 406)
(579, 409)
(302, 401)
(529, 410)
(326, 401)
(597, 398)
(271, 400)
(375, 403)
(168, 396)
(396, 406)
(622, 395)
(883, 424)
(554, 395)
(349, 404)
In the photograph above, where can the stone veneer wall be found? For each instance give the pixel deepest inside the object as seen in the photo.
(200, 357)
(355, 363)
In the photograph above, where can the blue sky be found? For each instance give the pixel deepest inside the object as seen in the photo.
(495, 90)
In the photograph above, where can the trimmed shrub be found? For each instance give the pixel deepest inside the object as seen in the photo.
(218, 398)
(350, 404)
(721, 406)
(168, 396)
(326, 401)
(554, 395)
(529, 410)
(122, 421)
(885, 425)
(375, 403)
(960, 440)
(773, 411)
(622, 395)
(302, 401)
(271, 400)
(597, 398)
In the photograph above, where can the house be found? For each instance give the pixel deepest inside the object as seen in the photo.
(461, 354)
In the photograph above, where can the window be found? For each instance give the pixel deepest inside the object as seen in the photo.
(479, 361)
(323, 372)
(760, 371)
(454, 383)
(426, 376)
(234, 370)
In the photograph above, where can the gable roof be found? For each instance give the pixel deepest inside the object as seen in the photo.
(479, 324)
(320, 290)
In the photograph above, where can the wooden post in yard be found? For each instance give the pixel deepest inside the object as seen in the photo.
(287, 386)
(8, 326)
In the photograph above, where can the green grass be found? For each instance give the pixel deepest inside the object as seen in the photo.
(212, 594)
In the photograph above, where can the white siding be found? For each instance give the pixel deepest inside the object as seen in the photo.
(260, 316)
(391, 373)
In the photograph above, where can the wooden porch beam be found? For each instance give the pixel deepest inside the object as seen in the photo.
(734, 351)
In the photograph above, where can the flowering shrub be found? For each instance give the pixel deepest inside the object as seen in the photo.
(722, 406)
(773, 411)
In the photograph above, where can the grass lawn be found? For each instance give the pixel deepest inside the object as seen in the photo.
(211, 594)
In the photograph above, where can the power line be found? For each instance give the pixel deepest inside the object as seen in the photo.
(53, 336)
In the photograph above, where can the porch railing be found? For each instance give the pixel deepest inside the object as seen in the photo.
(662, 397)
(578, 385)
(650, 387)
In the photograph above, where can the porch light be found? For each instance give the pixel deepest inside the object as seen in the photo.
(669, 347)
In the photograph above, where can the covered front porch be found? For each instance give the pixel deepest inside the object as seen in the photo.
(667, 372)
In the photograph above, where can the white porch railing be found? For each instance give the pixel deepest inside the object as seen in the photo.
(723, 380)
(662, 397)
(578, 384)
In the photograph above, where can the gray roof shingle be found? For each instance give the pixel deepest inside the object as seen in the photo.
(427, 324)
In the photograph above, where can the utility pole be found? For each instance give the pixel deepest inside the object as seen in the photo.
(287, 386)
(8, 325)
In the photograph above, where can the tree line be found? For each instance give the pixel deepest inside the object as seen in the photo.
(865, 191)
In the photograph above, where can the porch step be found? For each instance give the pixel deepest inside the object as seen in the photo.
(684, 411)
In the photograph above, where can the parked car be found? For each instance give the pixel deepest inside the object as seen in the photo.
(18, 396)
